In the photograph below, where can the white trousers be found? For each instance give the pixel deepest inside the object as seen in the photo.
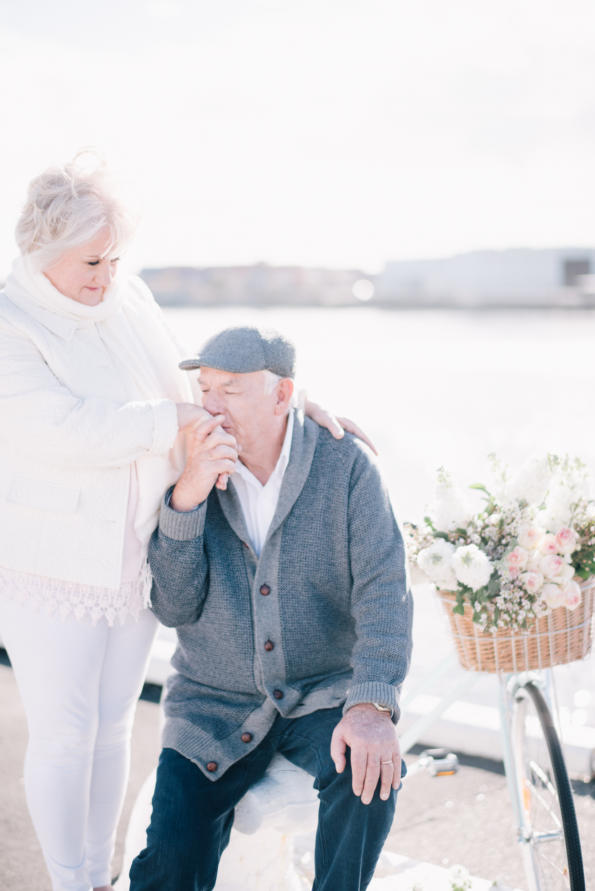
(79, 684)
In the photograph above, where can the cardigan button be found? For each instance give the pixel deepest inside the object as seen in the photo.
(212, 766)
(269, 645)
(265, 590)
(278, 694)
(246, 737)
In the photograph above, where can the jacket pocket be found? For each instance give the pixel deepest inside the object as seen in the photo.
(43, 495)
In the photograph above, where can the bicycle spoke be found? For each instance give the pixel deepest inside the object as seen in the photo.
(548, 828)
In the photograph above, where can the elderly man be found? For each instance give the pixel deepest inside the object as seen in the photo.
(288, 592)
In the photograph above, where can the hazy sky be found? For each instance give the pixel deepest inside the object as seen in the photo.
(335, 132)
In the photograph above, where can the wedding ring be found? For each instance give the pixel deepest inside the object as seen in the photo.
(386, 762)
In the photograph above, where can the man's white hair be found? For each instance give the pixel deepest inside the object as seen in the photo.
(270, 382)
(67, 206)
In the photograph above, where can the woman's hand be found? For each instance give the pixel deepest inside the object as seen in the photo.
(189, 413)
(336, 426)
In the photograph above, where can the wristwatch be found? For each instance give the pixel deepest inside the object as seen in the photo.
(383, 708)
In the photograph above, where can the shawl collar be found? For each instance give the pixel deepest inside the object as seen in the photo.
(32, 291)
(303, 444)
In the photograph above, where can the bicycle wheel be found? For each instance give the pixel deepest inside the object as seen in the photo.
(548, 827)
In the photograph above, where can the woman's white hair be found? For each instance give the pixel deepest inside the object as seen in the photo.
(67, 206)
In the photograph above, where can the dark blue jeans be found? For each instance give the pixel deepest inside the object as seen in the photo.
(192, 816)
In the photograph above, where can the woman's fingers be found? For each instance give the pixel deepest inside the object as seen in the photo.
(188, 413)
(350, 427)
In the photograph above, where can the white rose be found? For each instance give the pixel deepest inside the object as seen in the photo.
(552, 566)
(567, 540)
(530, 537)
(436, 562)
(567, 572)
(532, 581)
(572, 594)
(553, 595)
(472, 567)
(535, 558)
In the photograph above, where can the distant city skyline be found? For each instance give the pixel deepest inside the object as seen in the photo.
(336, 134)
(517, 278)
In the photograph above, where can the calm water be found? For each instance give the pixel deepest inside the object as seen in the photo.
(439, 387)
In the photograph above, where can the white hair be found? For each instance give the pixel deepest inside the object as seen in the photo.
(270, 382)
(67, 206)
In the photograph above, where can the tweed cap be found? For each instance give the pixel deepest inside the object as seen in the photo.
(242, 350)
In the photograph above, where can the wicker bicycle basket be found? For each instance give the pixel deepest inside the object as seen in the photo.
(561, 636)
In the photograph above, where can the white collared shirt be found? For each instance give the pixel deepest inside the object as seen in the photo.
(259, 502)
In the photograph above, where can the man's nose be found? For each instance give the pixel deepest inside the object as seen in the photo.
(213, 403)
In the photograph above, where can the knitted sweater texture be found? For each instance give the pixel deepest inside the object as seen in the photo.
(321, 619)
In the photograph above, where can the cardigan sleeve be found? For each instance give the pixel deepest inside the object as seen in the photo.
(179, 565)
(381, 601)
(46, 420)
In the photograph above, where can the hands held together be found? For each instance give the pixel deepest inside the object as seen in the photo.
(211, 456)
(211, 452)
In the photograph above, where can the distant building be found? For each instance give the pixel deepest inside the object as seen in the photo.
(259, 285)
(512, 278)
(520, 277)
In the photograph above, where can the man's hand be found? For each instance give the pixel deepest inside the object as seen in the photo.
(375, 751)
(211, 455)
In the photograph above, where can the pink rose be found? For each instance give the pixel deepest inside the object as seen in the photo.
(572, 594)
(516, 560)
(566, 540)
(548, 545)
(553, 566)
(532, 581)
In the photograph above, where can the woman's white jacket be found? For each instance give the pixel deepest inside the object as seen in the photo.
(84, 395)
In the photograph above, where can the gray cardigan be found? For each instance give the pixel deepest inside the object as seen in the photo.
(321, 619)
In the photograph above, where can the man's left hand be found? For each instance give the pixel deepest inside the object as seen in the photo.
(375, 751)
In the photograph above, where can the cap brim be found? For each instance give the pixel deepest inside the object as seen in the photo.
(189, 364)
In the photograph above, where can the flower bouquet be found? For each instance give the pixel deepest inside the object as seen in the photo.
(514, 570)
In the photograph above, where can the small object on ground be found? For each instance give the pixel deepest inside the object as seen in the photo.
(437, 762)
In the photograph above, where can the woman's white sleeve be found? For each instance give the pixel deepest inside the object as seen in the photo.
(44, 419)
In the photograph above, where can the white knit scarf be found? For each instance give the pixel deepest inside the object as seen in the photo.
(133, 330)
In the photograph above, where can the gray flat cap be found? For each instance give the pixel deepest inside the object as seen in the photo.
(242, 350)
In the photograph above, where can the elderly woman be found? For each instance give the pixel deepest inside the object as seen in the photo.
(91, 404)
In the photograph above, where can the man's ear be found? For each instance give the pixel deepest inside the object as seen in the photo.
(284, 394)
